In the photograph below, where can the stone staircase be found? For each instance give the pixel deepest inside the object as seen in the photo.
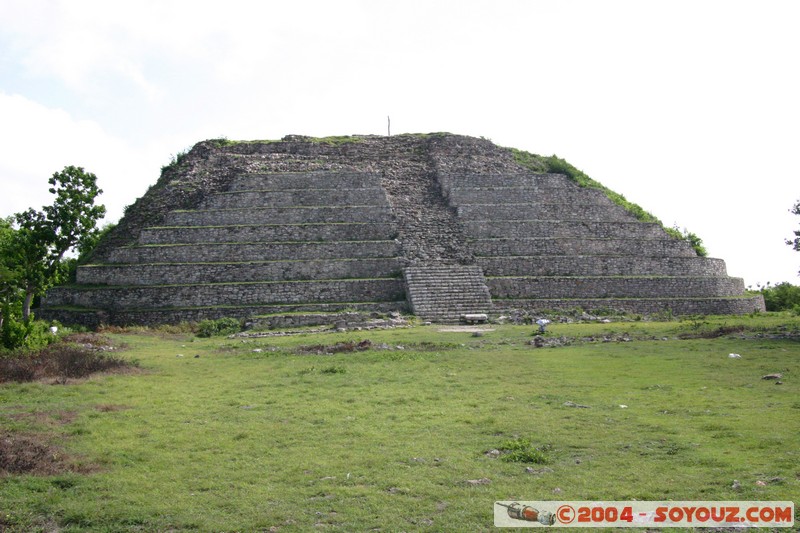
(444, 293)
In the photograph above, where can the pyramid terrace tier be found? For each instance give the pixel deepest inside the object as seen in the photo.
(176, 273)
(311, 232)
(647, 306)
(543, 182)
(516, 211)
(93, 317)
(585, 265)
(281, 215)
(297, 197)
(531, 194)
(269, 251)
(577, 246)
(306, 180)
(488, 229)
(614, 287)
(227, 294)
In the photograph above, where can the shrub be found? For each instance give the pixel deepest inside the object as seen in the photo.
(521, 450)
(26, 335)
(692, 238)
(781, 297)
(221, 326)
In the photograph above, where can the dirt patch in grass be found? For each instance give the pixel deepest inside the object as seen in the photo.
(361, 346)
(78, 356)
(713, 333)
(109, 407)
(46, 418)
(34, 454)
(339, 347)
(465, 329)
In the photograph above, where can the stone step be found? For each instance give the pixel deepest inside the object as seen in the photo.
(650, 306)
(172, 273)
(486, 229)
(571, 265)
(297, 197)
(265, 251)
(528, 211)
(228, 294)
(306, 180)
(615, 287)
(269, 233)
(599, 247)
(280, 215)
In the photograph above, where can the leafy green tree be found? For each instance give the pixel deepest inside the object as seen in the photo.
(10, 290)
(781, 297)
(43, 237)
(795, 243)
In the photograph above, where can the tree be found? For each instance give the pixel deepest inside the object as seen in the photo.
(43, 237)
(9, 276)
(795, 243)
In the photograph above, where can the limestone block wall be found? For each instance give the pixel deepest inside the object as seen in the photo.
(155, 316)
(551, 229)
(526, 195)
(175, 273)
(306, 180)
(585, 265)
(238, 294)
(224, 252)
(647, 306)
(278, 215)
(614, 287)
(521, 211)
(588, 246)
(314, 232)
(296, 197)
(451, 181)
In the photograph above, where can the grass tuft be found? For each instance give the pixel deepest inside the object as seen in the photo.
(520, 450)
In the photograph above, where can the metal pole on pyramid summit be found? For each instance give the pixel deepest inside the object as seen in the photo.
(388, 126)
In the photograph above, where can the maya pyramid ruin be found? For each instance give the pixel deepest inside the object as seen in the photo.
(439, 225)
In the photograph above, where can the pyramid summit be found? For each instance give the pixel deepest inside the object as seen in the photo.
(440, 225)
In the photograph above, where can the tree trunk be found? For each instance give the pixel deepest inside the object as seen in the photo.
(26, 305)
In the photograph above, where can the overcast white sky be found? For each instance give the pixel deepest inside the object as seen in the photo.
(689, 108)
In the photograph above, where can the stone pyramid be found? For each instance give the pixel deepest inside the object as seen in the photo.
(437, 224)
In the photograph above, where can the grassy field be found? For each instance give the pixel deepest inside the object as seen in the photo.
(274, 434)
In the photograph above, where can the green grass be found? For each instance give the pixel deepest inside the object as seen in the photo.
(238, 439)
